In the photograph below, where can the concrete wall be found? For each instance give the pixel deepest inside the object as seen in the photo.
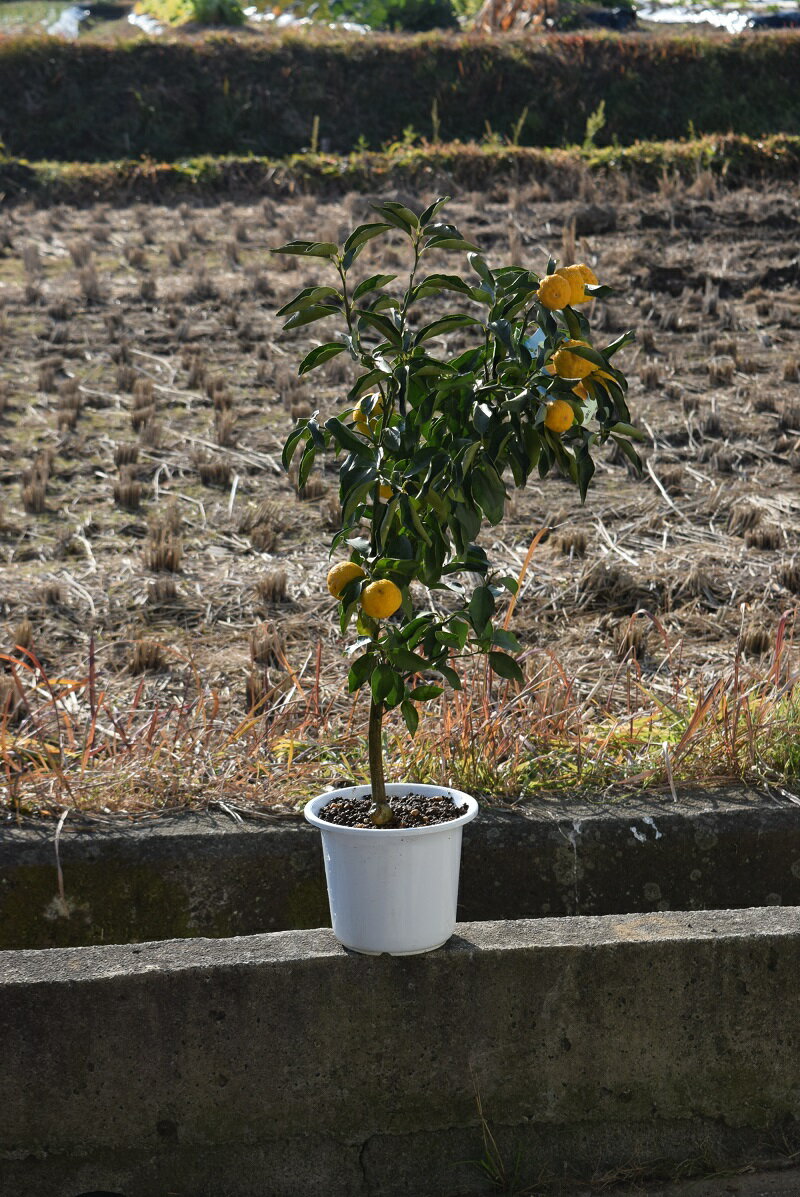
(281, 1065)
(208, 876)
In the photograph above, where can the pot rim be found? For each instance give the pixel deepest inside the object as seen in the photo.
(460, 799)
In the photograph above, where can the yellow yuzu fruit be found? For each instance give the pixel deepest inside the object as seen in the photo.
(381, 599)
(575, 279)
(341, 574)
(570, 365)
(589, 276)
(559, 416)
(385, 491)
(554, 292)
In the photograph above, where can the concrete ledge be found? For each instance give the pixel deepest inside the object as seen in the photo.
(278, 1065)
(204, 875)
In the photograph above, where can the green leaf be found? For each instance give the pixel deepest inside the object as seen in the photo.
(505, 640)
(621, 429)
(348, 610)
(373, 283)
(481, 608)
(433, 209)
(447, 242)
(358, 238)
(410, 715)
(383, 325)
(629, 451)
(585, 470)
(449, 675)
(309, 249)
(308, 316)
(308, 297)
(365, 383)
(488, 491)
(346, 438)
(509, 583)
(625, 339)
(398, 215)
(306, 465)
(461, 631)
(382, 682)
(322, 353)
(445, 325)
(590, 355)
(425, 693)
(480, 267)
(411, 515)
(507, 667)
(435, 283)
(360, 671)
(292, 441)
(403, 658)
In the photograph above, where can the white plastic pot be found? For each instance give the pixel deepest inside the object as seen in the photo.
(392, 889)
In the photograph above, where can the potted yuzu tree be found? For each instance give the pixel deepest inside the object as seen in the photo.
(431, 441)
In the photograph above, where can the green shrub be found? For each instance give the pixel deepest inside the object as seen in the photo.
(200, 12)
(404, 16)
(218, 95)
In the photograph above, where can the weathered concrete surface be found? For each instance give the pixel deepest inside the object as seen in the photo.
(208, 876)
(278, 1065)
(780, 1183)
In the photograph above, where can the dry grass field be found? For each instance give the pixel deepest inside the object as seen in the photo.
(166, 630)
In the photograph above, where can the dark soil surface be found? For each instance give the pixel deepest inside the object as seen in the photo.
(410, 810)
(146, 388)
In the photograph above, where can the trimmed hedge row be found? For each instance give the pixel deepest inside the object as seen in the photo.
(222, 95)
(455, 168)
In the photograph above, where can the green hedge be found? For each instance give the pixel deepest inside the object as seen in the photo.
(449, 168)
(223, 95)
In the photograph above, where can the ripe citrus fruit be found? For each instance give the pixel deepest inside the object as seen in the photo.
(569, 365)
(580, 391)
(381, 599)
(559, 417)
(360, 421)
(589, 276)
(341, 574)
(385, 491)
(554, 292)
(576, 281)
(578, 276)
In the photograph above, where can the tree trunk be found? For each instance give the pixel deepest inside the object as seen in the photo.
(380, 811)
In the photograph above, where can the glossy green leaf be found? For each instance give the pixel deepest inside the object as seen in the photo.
(292, 441)
(345, 437)
(403, 658)
(373, 283)
(309, 249)
(431, 211)
(363, 234)
(398, 215)
(322, 353)
(382, 324)
(505, 640)
(308, 297)
(309, 316)
(360, 672)
(382, 682)
(481, 608)
(445, 325)
(410, 715)
(506, 667)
